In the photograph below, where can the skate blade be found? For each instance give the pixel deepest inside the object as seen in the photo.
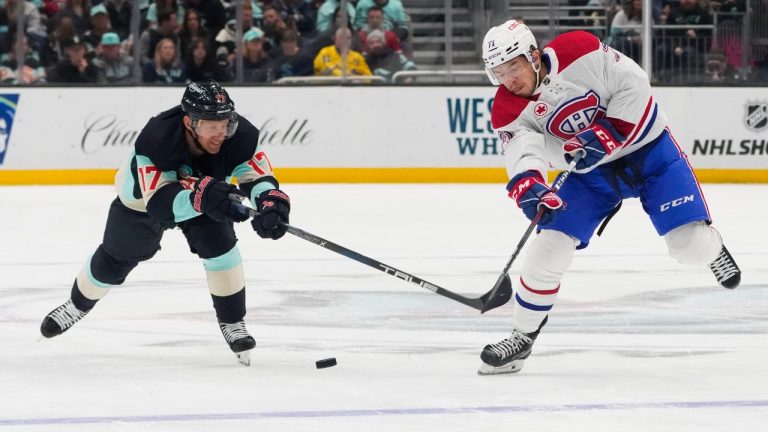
(512, 367)
(244, 358)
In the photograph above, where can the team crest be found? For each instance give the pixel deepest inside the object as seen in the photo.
(506, 136)
(756, 116)
(8, 104)
(575, 115)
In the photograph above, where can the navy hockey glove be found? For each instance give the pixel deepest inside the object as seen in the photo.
(274, 207)
(595, 143)
(530, 192)
(211, 197)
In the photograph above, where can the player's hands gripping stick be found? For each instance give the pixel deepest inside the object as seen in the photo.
(273, 206)
(531, 193)
(211, 197)
(594, 143)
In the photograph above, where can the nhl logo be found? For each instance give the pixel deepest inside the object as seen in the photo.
(756, 117)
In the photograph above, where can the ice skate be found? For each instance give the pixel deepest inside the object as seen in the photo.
(61, 319)
(508, 355)
(239, 340)
(725, 269)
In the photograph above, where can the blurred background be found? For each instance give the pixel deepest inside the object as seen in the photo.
(265, 42)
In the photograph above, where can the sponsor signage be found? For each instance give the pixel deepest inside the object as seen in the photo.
(355, 127)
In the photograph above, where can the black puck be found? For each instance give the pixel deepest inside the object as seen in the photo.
(325, 363)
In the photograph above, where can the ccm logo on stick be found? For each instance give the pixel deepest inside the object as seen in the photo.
(676, 202)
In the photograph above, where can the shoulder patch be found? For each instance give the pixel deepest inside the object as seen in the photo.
(507, 107)
(571, 46)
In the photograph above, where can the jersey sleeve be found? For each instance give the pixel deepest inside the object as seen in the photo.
(631, 109)
(523, 147)
(251, 165)
(154, 169)
(165, 198)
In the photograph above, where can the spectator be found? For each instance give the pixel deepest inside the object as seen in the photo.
(328, 60)
(291, 60)
(99, 26)
(33, 25)
(298, 14)
(255, 59)
(192, 29)
(375, 21)
(79, 11)
(50, 8)
(274, 25)
(626, 27)
(54, 50)
(328, 11)
(718, 70)
(686, 46)
(395, 18)
(119, 15)
(166, 29)
(382, 60)
(165, 66)
(75, 67)
(326, 38)
(159, 6)
(200, 64)
(212, 14)
(114, 65)
(30, 71)
(228, 35)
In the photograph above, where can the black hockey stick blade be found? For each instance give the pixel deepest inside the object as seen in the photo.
(498, 295)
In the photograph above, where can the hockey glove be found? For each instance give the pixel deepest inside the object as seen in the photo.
(211, 197)
(595, 143)
(531, 193)
(274, 207)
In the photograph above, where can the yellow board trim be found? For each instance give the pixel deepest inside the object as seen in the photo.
(352, 175)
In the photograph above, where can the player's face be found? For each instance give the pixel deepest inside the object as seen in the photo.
(211, 134)
(517, 76)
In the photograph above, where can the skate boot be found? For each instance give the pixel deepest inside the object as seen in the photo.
(508, 355)
(61, 319)
(240, 342)
(725, 269)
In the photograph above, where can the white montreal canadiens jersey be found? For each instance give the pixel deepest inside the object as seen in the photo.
(586, 81)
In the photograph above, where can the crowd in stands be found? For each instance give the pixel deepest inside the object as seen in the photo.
(90, 41)
(694, 41)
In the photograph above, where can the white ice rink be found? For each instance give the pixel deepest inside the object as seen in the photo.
(637, 342)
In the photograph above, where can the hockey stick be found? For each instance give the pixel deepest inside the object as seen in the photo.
(499, 295)
(504, 276)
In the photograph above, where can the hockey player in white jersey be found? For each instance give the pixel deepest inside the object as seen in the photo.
(578, 96)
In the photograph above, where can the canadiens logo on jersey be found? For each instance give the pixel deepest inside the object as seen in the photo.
(575, 115)
(756, 117)
(506, 136)
(8, 104)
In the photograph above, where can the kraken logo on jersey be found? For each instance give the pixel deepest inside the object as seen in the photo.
(756, 116)
(575, 115)
(8, 103)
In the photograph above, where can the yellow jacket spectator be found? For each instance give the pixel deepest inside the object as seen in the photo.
(328, 61)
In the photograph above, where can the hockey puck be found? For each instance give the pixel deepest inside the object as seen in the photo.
(325, 363)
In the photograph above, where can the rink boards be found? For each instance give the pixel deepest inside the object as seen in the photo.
(350, 134)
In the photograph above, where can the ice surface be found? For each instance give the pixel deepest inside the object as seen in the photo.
(636, 342)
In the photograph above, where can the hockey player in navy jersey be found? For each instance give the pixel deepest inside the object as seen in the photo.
(178, 176)
(580, 97)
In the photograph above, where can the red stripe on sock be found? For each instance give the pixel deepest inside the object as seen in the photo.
(540, 292)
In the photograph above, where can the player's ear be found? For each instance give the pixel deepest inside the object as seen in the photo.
(187, 122)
